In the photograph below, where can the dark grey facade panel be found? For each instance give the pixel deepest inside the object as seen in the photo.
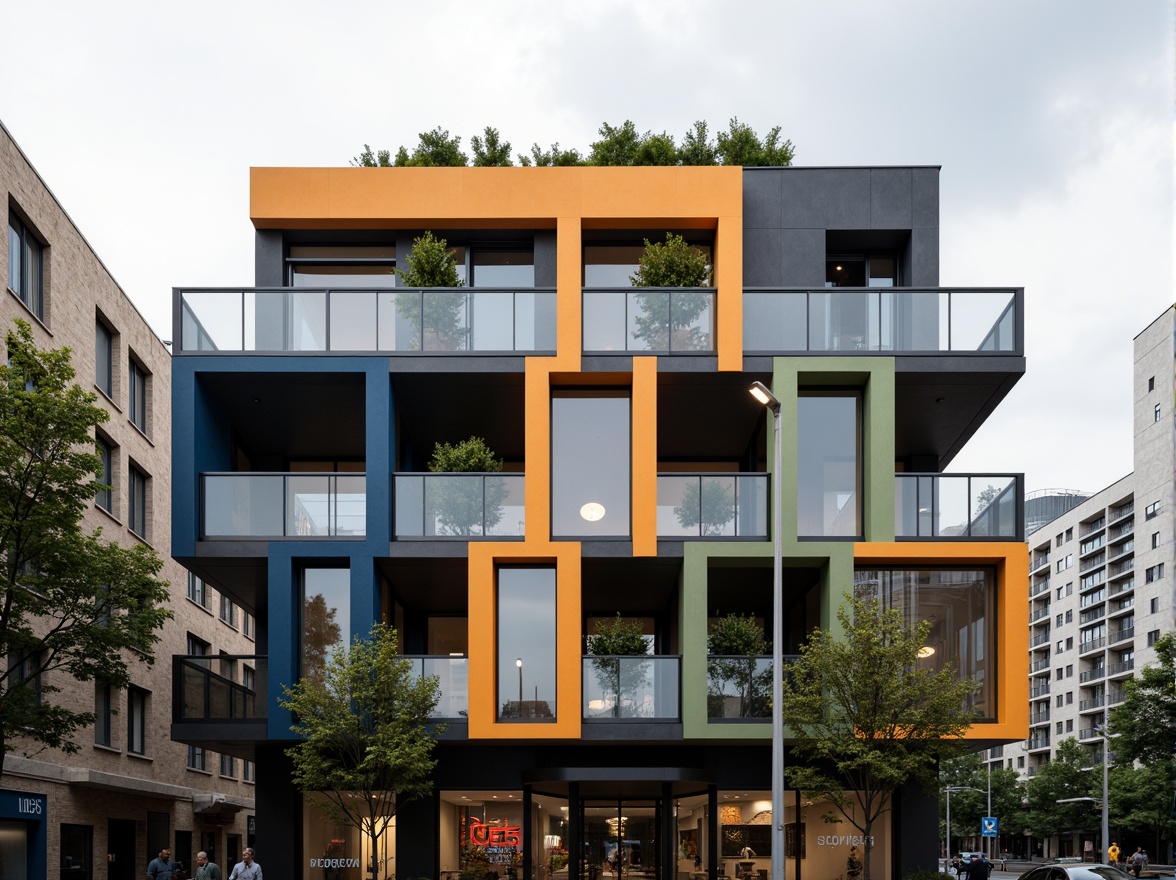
(763, 256)
(761, 200)
(923, 258)
(925, 197)
(827, 198)
(890, 198)
(545, 274)
(269, 258)
(803, 258)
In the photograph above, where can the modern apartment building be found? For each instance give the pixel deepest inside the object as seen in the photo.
(129, 790)
(1100, 593)
(637, 481)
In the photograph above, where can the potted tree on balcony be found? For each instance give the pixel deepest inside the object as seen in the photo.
(672, 263)
(734, 644)
(458, 505)
(708, 504)
(615, 640)
(439, 319)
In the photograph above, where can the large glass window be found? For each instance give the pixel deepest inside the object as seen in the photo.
(137, 513)
(959, 605)
(103, 710)
(342, 266)
(104, 498)
(25, 266)
(136, 721)
(326, 615)
(590, 480)
(336, 851)
(503, 268)
(858, 270)
(828, 465)
(526, 643)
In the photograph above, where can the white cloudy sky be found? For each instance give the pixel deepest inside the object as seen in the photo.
(1052, 121)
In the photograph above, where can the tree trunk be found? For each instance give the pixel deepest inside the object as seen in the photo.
(868, 848)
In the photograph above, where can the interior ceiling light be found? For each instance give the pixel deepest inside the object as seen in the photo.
(925, 652)
(592, 511)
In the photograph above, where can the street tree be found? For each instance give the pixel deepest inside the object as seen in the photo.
(73, 603)
(1062, 779)
(1141, 802)
(868, 716)
(1145, 723)
(968, 807)
(366, 741)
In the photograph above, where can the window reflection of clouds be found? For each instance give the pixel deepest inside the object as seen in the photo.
(526, 629)
(590, 463)
(827, 466)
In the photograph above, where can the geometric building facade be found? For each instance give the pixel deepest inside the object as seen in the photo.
(636, 482)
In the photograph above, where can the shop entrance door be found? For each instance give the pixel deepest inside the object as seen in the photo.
(120, 846)
(621, 839)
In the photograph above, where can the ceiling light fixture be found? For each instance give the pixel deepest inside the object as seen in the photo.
(925, 652)
(592, 511)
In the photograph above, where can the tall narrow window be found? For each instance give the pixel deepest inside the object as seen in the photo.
(137, 509)
(228, 611)
(25, 275)
(136, 721)
(102, 714)
(25, 671)
(196, 759)
(104, 358)
(105, 497)
(197, 591)
(828, 465)
(138, 385)
(77, 852)
(526, 660)
(590, 480)
(326, 616)
(228, 766)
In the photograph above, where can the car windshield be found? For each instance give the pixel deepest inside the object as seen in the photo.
(1097, 872)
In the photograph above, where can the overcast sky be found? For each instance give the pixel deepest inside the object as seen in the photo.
(1052, 121)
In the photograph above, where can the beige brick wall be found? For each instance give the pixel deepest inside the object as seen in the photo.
(79, 290)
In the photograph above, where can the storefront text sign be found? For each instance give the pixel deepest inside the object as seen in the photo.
(843, 840)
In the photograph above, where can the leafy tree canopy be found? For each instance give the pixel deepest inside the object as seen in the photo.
(617, 636)
(436, 149)
(1145, 723)
(672, 263)
(366, 745)
(490, 151)
(617, 145)
(431, 263)
(1062, 778)
(736, 635)
(73, 602)
(868, 717)
(468, 456)
(1140, 799)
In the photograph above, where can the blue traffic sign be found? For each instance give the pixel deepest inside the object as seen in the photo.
(988, 826)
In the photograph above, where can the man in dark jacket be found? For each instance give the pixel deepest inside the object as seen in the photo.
(162, 867)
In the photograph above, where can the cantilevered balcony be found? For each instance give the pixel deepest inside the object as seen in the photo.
(397, 321)
(644, 319)
(219, 702)
(640, 688)
(864, 321)
(459, 506)
(960, 506)
(718, 505)
(265, 505)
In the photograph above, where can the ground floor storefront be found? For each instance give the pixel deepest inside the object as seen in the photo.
(589, 812)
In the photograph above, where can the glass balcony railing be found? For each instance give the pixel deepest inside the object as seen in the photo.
(712, 505)
(891, 320)
(959, 506)
(739, 687)
(453, 675)
(224, 687)
(674, 320)
(402, 320)
(459, 506)
(631, 688)
(252, 505)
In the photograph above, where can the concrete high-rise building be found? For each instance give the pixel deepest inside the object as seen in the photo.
(130, 789)
(1101, 580)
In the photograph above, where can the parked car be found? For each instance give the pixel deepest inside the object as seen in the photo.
(1075, 870)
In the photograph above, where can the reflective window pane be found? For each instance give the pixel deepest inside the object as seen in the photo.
(353, 321)
(503, 268)
(526, 643)
(491, 321)
(648, 321)
(590, 465)
(843, 321)
(399, 321)
(775, 321)
(326, 616)
(828, 469)
(604, 322)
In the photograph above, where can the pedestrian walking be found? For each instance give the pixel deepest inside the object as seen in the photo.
(206, 870)
(161, 867)
(246, 869)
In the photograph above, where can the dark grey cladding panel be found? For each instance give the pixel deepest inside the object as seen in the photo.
(924, 257)
(825, 198)
(924, 197)
(890, 198)
(269, 261)
(545, 258)
(761, 199)
(804, 257)
(763, 257)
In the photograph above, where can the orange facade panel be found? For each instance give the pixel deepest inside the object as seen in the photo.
(1011, 561)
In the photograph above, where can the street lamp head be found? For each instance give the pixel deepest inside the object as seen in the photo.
(519, 662)
(761, 393)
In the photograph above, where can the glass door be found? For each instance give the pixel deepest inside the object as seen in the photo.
(620, 839)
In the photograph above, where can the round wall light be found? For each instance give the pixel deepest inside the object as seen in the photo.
(592, 511)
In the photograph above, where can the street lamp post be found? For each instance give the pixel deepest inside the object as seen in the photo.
(761, 393)
(519, 664)
(949, 790)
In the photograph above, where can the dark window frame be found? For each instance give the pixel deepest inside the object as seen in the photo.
(104, 498)
(139, 384)
(104, 357)
(137, 495)
(137, 720)
(103, 714)
(859, 452)
(25, 244)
